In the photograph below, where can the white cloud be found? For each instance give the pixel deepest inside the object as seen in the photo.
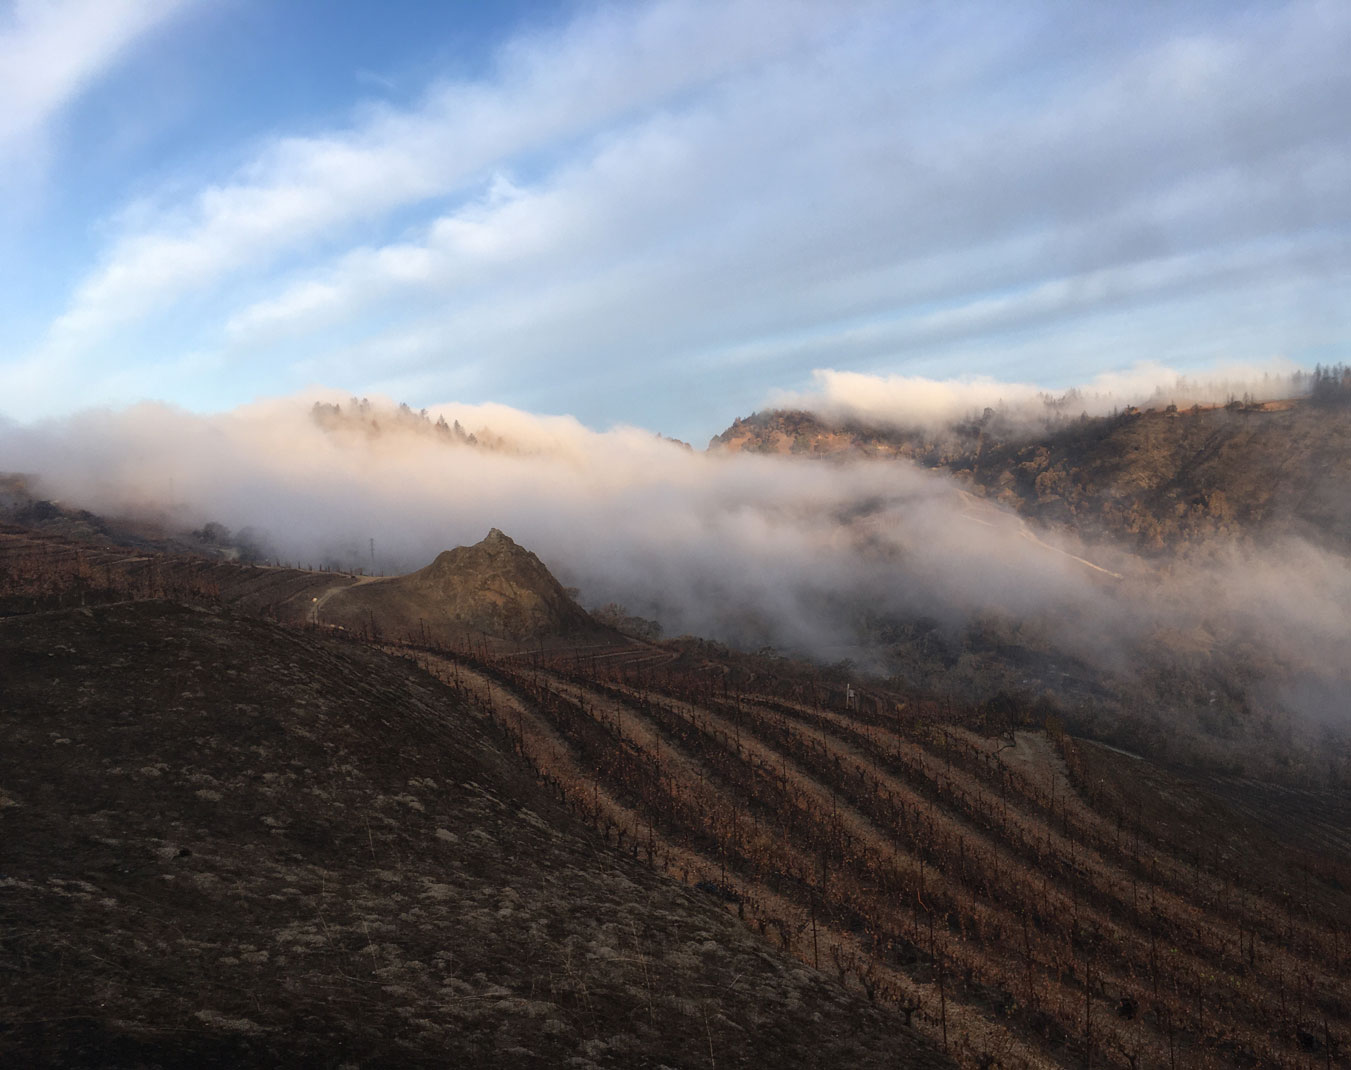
(299, 190)
(912, 401)
(798, 198)
(737, 546)
(51, 51)
(689, 202)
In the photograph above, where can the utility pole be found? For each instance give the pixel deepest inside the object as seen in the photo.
(372, 557)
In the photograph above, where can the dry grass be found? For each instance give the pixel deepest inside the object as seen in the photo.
(229, 844)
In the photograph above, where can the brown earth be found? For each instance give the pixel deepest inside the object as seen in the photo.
(223, 841)
(537, 859)
(494, 589)
(1030, 899)
(226, 843)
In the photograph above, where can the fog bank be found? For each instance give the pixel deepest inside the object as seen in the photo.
(755, 550)
(914, 402)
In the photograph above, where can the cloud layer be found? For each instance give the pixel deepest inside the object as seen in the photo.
(750, 549)
(911, 401)
(655, 210)
(50, 53)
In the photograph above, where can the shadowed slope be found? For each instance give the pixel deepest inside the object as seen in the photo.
(228, 844)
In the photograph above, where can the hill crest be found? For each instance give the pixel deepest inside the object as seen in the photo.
(495, 589)
(1149, 480)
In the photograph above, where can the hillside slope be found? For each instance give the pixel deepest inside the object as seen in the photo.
(226, 843)
(494, 589)
(310, 853)
(1033, 900)
(1151, 481)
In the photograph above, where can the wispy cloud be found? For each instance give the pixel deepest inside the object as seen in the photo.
(663, 208)
(302, 190)
(51, 51)
(915, 401)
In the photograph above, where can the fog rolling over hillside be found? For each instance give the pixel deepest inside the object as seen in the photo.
(917, 403)
(931, 574)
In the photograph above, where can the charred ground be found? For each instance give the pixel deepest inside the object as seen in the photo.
(230, 843)
(539, 854)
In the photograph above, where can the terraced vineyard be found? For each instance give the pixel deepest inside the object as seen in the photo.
(1021, 904)
(1024, 898)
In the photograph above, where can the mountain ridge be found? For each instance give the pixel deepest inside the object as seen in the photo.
(1152, 481)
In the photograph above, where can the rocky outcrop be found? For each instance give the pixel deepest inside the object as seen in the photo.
(495, 589)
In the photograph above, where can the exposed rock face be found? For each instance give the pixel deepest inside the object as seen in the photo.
(501, 588)
(494, 589)
(1153, 481)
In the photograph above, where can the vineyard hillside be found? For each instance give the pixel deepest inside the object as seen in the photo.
(299, 824)
(231, 844)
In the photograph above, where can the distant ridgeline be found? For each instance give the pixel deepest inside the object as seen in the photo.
(359, 415)
(1154, 479)
(801, 430)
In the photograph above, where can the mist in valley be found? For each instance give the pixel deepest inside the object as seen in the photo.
(828, 559)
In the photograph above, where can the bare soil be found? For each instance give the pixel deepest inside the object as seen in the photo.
(224, 843)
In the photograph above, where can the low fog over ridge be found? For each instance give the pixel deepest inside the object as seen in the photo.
(755, 550)
(906, 401)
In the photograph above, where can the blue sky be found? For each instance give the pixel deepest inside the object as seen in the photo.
(659, 213)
